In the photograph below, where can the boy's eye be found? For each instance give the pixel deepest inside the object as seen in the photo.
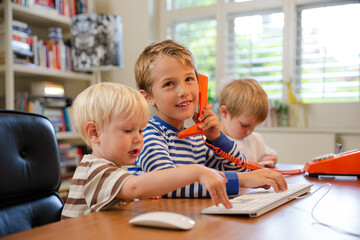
(127, 130)
(168, 84)
(189, 79)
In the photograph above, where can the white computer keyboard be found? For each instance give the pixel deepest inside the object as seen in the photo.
(259, 202)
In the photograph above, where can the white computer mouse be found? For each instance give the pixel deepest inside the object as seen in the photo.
(168, 220)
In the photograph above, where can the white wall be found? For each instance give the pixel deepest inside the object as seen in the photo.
(136, 34)
(334, 115)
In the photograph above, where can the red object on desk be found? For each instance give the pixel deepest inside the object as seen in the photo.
(347, 163)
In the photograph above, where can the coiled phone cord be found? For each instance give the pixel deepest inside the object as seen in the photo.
(247, 165)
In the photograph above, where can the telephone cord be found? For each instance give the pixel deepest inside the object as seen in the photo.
(247, 165)
(337, 229)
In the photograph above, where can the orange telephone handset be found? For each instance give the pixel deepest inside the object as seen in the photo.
(203, 88)
(193, 130)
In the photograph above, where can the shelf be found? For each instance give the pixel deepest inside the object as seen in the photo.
(31, 71)
(67, 135)
(17, 77)
(25, 70)
(40, 17)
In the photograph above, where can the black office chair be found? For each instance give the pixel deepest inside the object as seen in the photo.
(29, 172)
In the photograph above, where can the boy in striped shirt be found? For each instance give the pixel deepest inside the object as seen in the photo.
(110, 118)
(166, 75)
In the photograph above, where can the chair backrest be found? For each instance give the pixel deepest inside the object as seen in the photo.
(29, 172)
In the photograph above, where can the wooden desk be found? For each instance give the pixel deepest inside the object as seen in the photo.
(340, 207)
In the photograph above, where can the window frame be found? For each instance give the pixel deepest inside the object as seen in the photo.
(223, 8)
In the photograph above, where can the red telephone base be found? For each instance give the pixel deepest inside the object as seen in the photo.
(347, 163)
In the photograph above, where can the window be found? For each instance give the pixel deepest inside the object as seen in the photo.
(179, 4)
(329, 58)
(315, 47)
(200, 37)
(255, 49)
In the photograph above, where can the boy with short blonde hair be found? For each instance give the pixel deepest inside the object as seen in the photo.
(244, 105)
(167, 77)
(110, 118)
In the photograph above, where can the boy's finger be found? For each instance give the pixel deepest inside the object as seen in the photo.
(208, 106)
(223, 176)
(274, 185)
(280, 181)
(214, 199)
(224, 199)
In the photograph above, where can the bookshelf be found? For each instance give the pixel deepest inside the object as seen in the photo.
(17, 77)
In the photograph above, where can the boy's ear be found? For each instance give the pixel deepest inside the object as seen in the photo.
(223, 111)
(92, 132)
(148, 98)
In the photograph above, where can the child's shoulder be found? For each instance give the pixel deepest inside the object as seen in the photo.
(157, 124)
(255, 137)
(90, 160)
(157, 129)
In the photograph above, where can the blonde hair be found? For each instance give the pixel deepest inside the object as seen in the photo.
(245, 96)
(100, 102)
(147, 61)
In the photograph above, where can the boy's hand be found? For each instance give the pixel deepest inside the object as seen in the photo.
(214, 181)
(265, 178)
(254, 162)
(268, 161)
(210, 123)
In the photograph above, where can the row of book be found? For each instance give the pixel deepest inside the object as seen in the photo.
(48, 99)
(52, 53)
(68, 8)
(49, 107)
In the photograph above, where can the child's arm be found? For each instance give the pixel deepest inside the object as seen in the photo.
(268, 161)
(214, 136)
(265, 178)
(161, 182)
(163, 150)
(270, 155)
(220, 163)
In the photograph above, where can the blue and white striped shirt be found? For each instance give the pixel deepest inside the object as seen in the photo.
(163, 149)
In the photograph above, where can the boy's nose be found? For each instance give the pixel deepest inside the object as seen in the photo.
(182, 90)
(137, 138)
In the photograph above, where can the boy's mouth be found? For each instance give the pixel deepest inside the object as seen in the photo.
(183, 104)
(134, 153)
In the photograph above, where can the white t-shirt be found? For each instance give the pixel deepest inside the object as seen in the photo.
(254, 147)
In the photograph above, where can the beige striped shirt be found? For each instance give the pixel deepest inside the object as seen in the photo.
(94, 187)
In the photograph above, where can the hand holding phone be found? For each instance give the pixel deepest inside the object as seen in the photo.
(203, 88)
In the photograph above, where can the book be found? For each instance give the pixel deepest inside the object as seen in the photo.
(47, 89)
(54, 115)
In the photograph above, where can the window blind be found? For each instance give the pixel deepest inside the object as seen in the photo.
(179, 4)
(255, 49)
(328, 58)
(200, 37)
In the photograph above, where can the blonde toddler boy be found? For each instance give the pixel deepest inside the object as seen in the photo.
(110, 118)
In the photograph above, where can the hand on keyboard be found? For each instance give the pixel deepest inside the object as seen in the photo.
(258, 202)
(265, 178)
